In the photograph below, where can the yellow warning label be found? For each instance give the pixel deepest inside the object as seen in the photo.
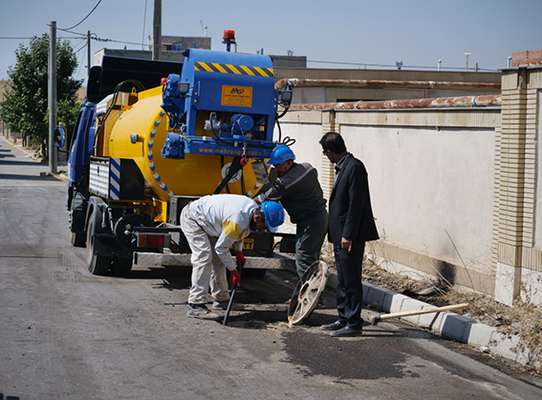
(237, 96)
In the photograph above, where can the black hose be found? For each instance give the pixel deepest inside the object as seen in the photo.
(283, 113)
(222, 166)
(288, 141)
(135, 83)
(278, 126)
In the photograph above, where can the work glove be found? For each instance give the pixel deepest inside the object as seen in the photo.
(240, 259)
(235, 278)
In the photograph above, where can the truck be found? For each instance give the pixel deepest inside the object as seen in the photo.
(152, 136)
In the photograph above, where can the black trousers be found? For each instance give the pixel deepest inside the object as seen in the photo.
(349, 288)
(310, 234)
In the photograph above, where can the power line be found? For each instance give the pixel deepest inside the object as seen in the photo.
(69, 31)
(35, 37)
(17, 37)
(99, 39)
(88, 15)
(80, 36)
(79, 64)
(80, 48)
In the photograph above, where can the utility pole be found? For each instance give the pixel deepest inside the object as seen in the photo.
(157, 30)
(51, 146)
(88, 53)
(439, 64)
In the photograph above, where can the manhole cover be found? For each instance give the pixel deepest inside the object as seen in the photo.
(307, 292)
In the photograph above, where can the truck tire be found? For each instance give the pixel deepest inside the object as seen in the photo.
(77, 213)
(97, 264)
(78, 239)
(121, 266)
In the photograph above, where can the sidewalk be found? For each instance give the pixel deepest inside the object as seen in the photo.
(26, 153)
(449, 325)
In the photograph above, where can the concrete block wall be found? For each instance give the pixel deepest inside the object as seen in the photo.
(455, 191)
(518, 210)
(431, 182)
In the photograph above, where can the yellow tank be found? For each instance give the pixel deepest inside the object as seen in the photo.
(195, 175)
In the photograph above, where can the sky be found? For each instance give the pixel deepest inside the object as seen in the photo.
(417, 32)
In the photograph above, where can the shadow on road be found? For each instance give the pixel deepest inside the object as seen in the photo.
(17, 162)
(8, 397)
(173, 277)
(28, 177)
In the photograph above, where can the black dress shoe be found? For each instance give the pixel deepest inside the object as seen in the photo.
(333, 326)
(347, 331)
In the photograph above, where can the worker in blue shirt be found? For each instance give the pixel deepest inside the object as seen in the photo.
(296, 186)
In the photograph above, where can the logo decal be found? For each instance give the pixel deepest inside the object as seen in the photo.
(237, 96)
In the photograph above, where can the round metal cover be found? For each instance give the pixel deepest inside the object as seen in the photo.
(307, 293)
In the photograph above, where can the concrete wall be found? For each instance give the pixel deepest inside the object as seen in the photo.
(538, 219)
(517, 228)
(387, 74)
(431, 181)
(326, 95)
(343, 94)
(431, 188)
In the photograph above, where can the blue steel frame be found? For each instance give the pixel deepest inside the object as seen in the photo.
(205, 96)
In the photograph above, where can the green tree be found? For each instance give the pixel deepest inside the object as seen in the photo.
(24, 108)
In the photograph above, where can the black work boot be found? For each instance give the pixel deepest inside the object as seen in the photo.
(346, 331)
(334, 326)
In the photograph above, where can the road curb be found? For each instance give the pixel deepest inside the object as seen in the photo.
(449, 325)
(19, 147)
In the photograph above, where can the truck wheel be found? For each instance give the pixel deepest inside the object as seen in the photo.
(97, 264)
(78, 239)
(121, 266)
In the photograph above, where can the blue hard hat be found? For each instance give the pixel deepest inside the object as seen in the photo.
(280, 154)
(273, 213)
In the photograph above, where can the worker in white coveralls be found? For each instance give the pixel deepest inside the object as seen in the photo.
(212, 225)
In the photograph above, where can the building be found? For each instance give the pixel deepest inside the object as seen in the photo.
(326, 85)
(297, 62)
(174, 46)
(172, 49)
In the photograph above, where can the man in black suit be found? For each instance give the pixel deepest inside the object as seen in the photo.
(351, 224)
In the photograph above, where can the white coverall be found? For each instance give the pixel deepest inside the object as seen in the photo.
(212, 224)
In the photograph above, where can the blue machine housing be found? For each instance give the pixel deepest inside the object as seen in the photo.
(227, 104)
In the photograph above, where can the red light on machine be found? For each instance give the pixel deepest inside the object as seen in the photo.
(229, 34)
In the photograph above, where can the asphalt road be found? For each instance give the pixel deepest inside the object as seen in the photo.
(66, 334)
